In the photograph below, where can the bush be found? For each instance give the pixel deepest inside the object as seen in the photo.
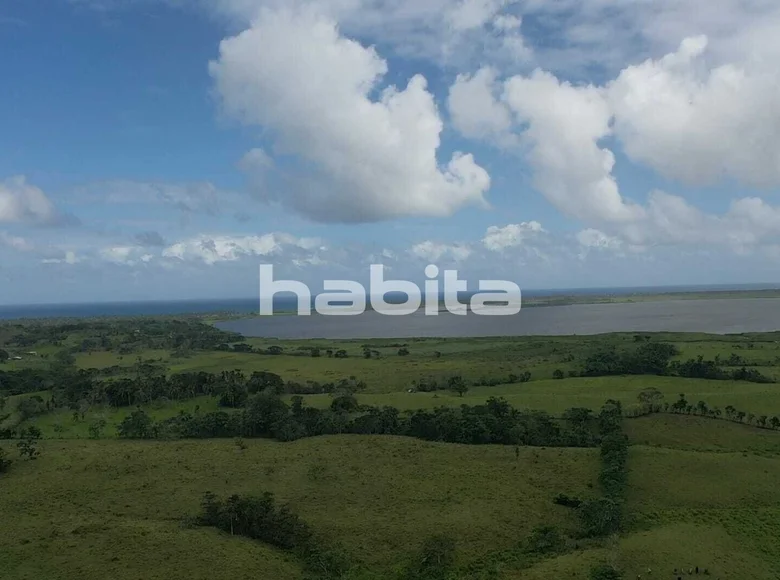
(28, 438)
(137, 425)
(566, 501)
(261, 518)
(435, 560)
(544, 540)
(600, 517)
(96, 428)
(5, 463)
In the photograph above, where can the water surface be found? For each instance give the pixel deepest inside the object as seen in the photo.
(723, 316)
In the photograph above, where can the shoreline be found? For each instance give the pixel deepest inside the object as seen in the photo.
(542, 301)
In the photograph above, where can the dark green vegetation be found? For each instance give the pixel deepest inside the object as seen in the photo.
(168, 449)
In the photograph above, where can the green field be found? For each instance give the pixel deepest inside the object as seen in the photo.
(702, 491)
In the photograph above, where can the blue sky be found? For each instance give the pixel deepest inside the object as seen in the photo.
(159, 149)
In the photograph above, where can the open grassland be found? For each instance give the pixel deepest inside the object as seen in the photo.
(473, 358)
(111, 509)
(701, 491)
(701, 434)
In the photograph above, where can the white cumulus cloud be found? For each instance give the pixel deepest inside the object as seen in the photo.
(225, 248)
(499, 238)
(372, 151)
(21, 202)
(435, 251)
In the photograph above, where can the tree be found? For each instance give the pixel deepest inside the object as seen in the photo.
(458, 385)
(26, 445)
(680, 405)
(4, 356)
(96, 428)
(345, 403)
(600, 517)
(340, 354)
(3, 402)
(403, 351)
(366, 353)
(137, 425)
(651, 398)
(30, 407)
(578, 416)
(5, 463)
(775, 422)
(275, 350)
(558, 374)
(261, 380)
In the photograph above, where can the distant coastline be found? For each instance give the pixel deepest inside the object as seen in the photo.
(231, 309)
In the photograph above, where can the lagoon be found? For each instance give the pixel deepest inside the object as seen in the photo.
(715, 316)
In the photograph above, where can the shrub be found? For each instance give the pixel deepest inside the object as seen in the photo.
(435, 560)
(5, 463)
(544, 540)
(566, 501)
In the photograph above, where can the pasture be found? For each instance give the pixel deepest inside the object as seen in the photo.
(701, 490)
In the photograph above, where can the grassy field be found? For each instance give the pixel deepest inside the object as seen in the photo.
(701, 492)
(107, 502)
(474, 358)
(110, 503)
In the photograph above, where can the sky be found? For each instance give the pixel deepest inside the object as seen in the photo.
(164, 149)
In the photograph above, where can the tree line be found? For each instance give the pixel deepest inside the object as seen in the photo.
(266, 415)
(655, 358)
(651, 400)
(121, 335)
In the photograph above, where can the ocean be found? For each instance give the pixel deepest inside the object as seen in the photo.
(250, 306)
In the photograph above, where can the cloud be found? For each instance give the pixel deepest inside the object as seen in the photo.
(21, 202)
(69, 257)
(120, 254)
(197, 197)
(499, 238)
(435, 251)
(475, 110)
(671, 114)
(699, 126)
(591, 240)
(226, 248)
(449, 33)
(16, 242)
(371, 152)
